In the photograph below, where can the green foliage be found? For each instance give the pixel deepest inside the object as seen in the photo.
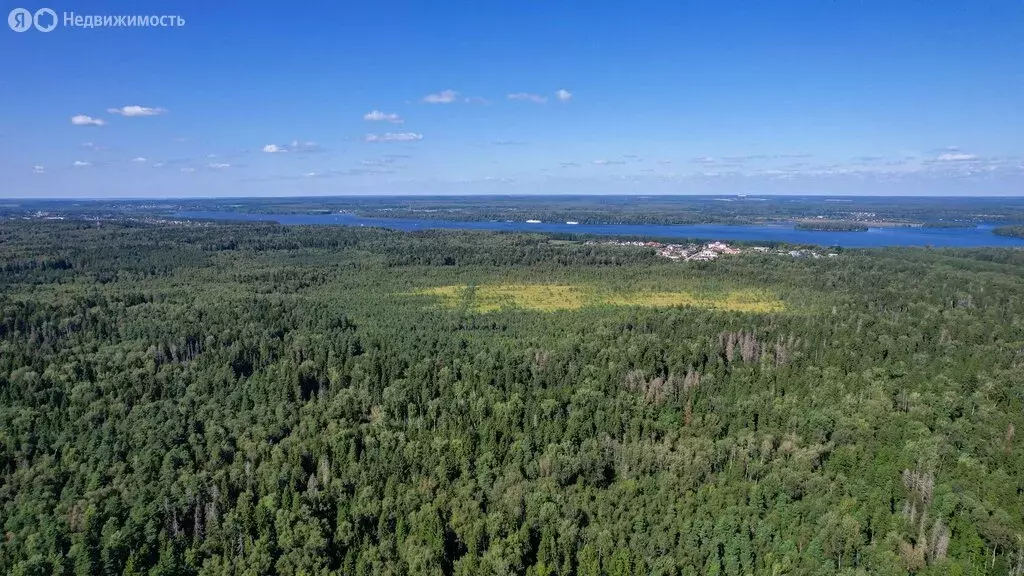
(831, 226)
(236, 399)
(1012, 231)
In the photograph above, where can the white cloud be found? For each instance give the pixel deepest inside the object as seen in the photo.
(137, 111)
(295, 146)
(387, 160)
(607, 162)
(394, 137)
(378, 116)
(442, 97)
(81, 164)
(957, 157)
(563, 95)
(139, 160)
(83, 120)
(188, 169)
(476, 100)
(158, 165)
(307, 146)
(311, 174)
(535, 98)
(218, 165)
(39, 169)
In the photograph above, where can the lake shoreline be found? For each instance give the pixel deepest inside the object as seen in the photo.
(979, 236)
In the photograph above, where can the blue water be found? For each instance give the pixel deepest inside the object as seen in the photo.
(874, 237)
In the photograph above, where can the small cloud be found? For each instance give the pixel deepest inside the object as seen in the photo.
(348, 172)
(507, 143)
(743, 159)
(535, 98)
(187, 169)
(81, 164)
(569, 164)
(477, 100)
(297, 146)
(957, 157)
(386, 160)
(83, 120)
(607, 162)
(394, 137)
(158, 165)
(139, 160)
(218, 165)
(378, 116)
(442, 97)
(366, 172)
(664, 161)
(704, 160)
(39, 169)
(130, 111)
(563, 95)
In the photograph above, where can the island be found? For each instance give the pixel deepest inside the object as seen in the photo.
(949, 224)
(831, 226)
(1011, 231)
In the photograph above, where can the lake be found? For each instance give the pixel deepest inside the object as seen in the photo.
(874, 237)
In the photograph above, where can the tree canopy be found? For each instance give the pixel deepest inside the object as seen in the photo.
(258, 399)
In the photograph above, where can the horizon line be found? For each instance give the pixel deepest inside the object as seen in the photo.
(492, 195)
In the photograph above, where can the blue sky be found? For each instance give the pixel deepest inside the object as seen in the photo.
(705, 97)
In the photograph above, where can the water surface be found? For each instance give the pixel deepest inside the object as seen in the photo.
(981, 235)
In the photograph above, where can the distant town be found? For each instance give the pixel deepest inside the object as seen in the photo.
(712, 250)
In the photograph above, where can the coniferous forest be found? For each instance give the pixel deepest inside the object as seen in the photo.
(258, 399)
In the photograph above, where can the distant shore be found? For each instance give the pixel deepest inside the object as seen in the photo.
(831, 226)
(1010, 231)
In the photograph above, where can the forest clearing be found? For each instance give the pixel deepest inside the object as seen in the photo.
(550, 297)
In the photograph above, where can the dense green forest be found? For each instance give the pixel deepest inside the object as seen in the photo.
(258, 399)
